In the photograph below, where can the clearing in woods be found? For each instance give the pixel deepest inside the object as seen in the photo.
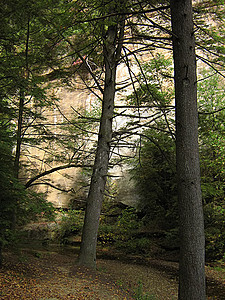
(47, 274)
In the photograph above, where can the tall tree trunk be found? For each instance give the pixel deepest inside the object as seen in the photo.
(87, 256)
(192, 239)
(17, 155)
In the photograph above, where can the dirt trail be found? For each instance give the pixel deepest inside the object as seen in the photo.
(159, 277)
(46, 275)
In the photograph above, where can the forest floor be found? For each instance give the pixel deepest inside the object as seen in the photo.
(48, 274)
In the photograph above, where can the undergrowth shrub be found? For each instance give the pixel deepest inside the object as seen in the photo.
(123, 233)
(134, 245)
(215, 231)
(70, 225)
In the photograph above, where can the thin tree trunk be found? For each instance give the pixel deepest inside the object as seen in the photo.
(21, 107)
(19, 135)
(87, 256)
(192, 239)
(17, 155)
(1, 256)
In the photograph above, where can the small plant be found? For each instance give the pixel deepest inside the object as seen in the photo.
(119, 282)
(23, 258)
(219, 268)
(140, 295)
(37, 254)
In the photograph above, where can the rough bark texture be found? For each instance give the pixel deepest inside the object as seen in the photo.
(87, 256)
(192, 256)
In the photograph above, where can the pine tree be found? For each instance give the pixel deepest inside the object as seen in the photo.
(192, 238)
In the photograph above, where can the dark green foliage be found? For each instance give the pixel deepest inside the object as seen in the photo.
(212, 130)
(215, 231)
(70, 224)
(212, 154)
(155, 77)
(32, 206)
(17, 206)
(155, 178)
(31, 44)
(121, 232)
(9, 186)
(125, 229)
(155, 175)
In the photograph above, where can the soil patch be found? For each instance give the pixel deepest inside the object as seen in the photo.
(45, 275)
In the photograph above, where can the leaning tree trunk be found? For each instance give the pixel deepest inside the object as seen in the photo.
(192, 240)
(87, 256)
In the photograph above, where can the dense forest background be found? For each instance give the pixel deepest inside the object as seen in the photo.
(48, 44)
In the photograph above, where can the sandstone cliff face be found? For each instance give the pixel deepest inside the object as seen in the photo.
(71, 104)
(51, 153)
(67, 179)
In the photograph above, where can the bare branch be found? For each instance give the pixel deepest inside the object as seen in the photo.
(30, 182)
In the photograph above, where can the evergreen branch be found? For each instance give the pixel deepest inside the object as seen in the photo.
(123, 14)
(210, 64)
(211, 112)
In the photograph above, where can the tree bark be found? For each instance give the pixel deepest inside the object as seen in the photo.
(17, 156)
(87, 256)
(19, 135)
(192, 239)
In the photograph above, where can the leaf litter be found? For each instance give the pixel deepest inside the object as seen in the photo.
(56, 276)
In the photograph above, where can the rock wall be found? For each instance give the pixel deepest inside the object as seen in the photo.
(78, 98)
